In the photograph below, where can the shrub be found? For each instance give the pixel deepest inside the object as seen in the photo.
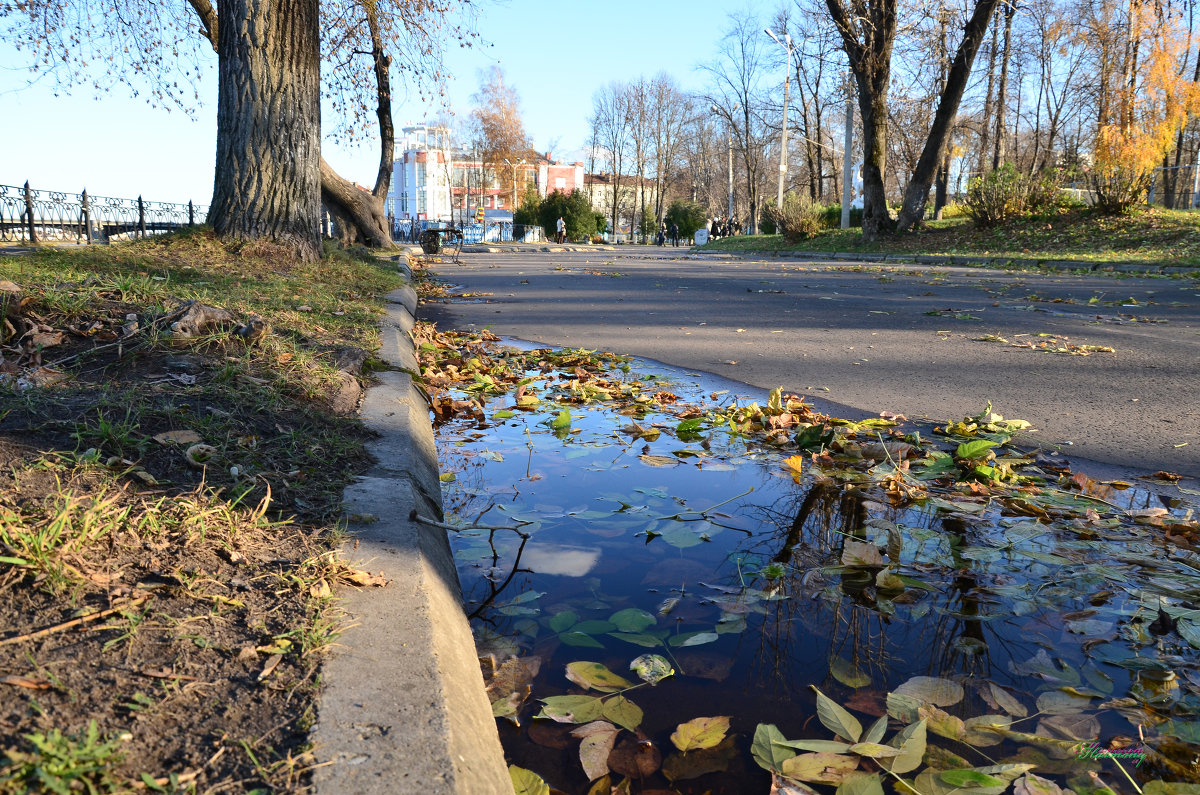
(574, 208)
(831, 215)
(1118, 189)
(529, 210)
(798, 219)
(688, 216)
(996, 197)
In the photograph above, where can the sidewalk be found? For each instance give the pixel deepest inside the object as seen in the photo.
(404, 709)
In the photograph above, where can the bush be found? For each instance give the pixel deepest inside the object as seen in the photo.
(575, 208)
(831, 216)
(529, 210)
(688, 216)
(1005, 193)
(798, 220)
(1117, 190)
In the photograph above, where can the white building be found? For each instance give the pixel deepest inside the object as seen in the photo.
(421, 174)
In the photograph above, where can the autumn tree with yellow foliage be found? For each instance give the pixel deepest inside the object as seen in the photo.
(1142, 99)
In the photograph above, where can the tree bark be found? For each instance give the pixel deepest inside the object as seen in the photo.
(917, 193)
(267, 182)
(1010, 10)
(985, 125)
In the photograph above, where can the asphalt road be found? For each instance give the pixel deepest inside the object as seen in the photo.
(872, 338)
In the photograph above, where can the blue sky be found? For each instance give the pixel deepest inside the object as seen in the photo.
(555, 54)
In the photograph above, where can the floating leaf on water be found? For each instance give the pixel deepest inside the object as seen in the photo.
(903, 708)
(1041, 666)
(942, 723)
(667, 605)
(874, 750)
(1007, 701)
(825, 746)
(835, 718)
(594, 676)
(593, 627)
(875, 731)
(970, 779)
(860, 784)
(561, 420)
(911, 740)
(819, 767)
(848, 673)
(562, 621)
(622, 712)
(700, 733)
(571, 709)
(693, 638)
(659, 460)
(1188, 731)
(1060, 702)
(637, 639)
(1069, 727)
(766, 748)
(859, 553)
(1166, 788)
(979, 730)
(632, 620)
(681, 767)
(580, 639)
(635, 759)
(1029, 784)
(783, 786)
(681, 537)
(932, 690)
(652, 668)
(526, 782)
(1189, 630)
(598, 738)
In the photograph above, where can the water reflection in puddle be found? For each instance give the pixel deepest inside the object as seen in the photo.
(703, 548)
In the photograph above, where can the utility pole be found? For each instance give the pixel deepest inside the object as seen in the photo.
(786, 44)
(846, 163)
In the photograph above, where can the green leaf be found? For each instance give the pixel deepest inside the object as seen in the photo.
(503, 414)
(766, 748)
(637, 639)
(593, 627)
(860, 784)
(681, 537)
(571, 709)
(970, 778)
(689, 427)
(826, 746)
(976, 448)
(848, 674)
(580, 639)
(632, 619)
(932, 690)
(623, 712)
(526, 782)
(911, 741)
(700, 733)
(563, 420)
(837, 719)
(874, 750)
(652, 668)
(1188, 628)
(876, 730)
(1169, 788)
(594, 676)
(693, 638)
(560, 622)
(13, 561)
(1060, 702)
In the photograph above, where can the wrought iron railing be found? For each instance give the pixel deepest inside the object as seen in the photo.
(487, 232)
(41, 216)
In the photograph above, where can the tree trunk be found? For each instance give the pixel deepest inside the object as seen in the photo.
(1010, 10)
(917, 193)
(361, 216)
(877, 219)
(985, 125)
(267, 184)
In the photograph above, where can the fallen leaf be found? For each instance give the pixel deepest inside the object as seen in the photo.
(178, 437)
(363, 578)
(700, 733)
(598, 738)
(636, 759)
(22, 681)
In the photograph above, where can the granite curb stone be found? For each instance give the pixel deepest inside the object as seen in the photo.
(404, 708)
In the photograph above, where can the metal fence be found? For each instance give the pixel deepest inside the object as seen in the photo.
(488, 232)
(42, 216)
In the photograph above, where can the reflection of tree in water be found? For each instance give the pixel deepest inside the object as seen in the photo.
(847, 611)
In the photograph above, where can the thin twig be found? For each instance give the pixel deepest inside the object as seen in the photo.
(74, 622)
(416, 517)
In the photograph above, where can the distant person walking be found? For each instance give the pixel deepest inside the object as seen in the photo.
(561, 229)
(715, 231)
(674, 234)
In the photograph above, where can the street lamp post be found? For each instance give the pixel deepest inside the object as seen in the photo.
(786, 44)
(520, 162)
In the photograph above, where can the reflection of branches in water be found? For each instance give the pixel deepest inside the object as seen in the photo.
(494, 588)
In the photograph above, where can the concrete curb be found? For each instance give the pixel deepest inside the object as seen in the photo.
(404, 709)
(958, 259)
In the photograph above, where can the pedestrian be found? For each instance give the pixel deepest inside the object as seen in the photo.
(674, 234)
(561, 228)
(715, 231)
(661, 237)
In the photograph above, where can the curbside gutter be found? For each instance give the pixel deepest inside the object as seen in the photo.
(403, 709)
(960, 259)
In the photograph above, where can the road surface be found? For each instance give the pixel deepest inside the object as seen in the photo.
(928, 342)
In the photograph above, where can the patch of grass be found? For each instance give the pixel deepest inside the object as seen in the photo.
(123, 561)
(1153, 236)
(63, 763)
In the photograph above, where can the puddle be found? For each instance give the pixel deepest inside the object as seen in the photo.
(700, 546)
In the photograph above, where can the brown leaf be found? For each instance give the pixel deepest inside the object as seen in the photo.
(550, 735)
(363, 578)
(635, 758)
(178, 437)
(270, 667)
(22, 681)
(46, 339)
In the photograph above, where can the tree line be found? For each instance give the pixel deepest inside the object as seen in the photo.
(1098, 92)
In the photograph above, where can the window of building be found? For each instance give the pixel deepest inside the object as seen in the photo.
(420, 175)
(421, 202)
(403, 202)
